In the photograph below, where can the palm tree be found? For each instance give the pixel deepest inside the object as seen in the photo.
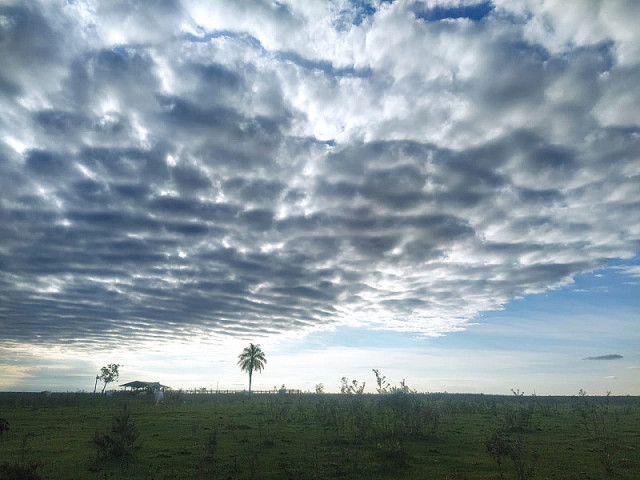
(251, 358)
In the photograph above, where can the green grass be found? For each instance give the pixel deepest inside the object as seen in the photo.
(327, 436)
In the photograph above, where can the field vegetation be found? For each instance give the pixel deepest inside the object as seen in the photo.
(392, 435)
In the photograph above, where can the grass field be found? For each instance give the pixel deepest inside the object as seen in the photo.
(309, 436)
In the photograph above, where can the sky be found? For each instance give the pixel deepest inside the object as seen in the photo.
(444, 190)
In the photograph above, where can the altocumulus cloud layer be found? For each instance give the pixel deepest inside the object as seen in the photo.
(250, 168)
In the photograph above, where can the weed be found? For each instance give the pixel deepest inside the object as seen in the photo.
(394, 452)
(498, 446)
(518, 420)
(381, 381)
(22, 470)
(601, 425)
(501, 446)
(524, 464)
(211, 443)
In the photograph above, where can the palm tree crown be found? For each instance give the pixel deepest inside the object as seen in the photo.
(252, 358)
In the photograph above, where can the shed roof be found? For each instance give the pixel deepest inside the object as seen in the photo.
(139, 384)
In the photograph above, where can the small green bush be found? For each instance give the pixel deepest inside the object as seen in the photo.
(117, 443)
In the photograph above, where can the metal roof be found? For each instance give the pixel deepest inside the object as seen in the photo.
(139, 384)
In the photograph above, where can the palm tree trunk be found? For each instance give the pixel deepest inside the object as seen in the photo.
(250, 372)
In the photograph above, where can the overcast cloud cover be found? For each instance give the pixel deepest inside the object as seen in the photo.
(240, 169)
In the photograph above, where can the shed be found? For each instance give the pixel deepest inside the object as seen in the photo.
(138, 385)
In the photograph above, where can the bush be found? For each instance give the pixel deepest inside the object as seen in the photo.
(393, 452)
(118, 443)
(519, 419)
(17, 471)
(499, 446)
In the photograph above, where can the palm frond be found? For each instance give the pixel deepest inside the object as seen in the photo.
(252, 358)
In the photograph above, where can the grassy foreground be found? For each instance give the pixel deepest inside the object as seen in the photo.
(308, 436)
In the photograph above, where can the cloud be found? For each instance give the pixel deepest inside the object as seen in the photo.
(632, 270)
(612, 356)
(212, 169)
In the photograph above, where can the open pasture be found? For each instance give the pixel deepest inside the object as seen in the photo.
(311, 436)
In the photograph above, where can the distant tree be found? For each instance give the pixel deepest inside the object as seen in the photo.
(252, 358)
(319, 388)
(108, 375)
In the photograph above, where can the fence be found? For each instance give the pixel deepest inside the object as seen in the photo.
(235, 392)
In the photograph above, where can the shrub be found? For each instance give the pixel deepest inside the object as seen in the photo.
(499, 446)
(523, 464)
(518, 420)
(354, 388)
(381, 381)
(117, 443)
(403, 388)
(20, 471)
(393, 452)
